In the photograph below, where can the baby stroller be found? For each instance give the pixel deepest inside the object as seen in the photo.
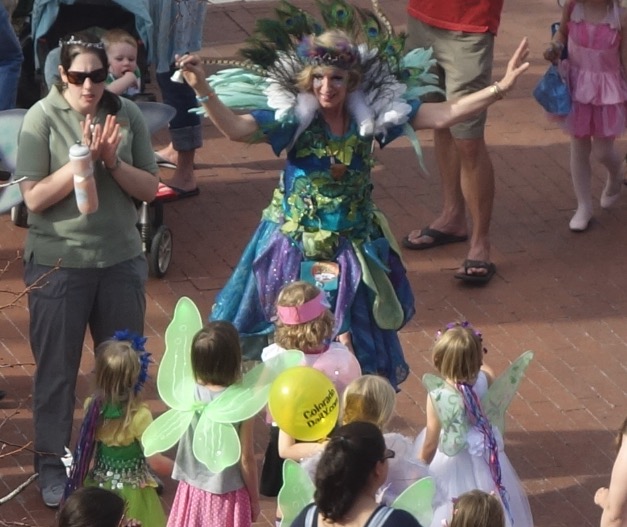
(156, 237)
(41, 23)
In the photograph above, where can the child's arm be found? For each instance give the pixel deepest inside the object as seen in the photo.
(290, 449)
(489, 373)
(613, 500)
(248, 465)
(160, 465)
(559, 40)
(432, 434)
(119, 86)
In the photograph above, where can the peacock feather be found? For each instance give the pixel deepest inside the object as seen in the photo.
(280, 48)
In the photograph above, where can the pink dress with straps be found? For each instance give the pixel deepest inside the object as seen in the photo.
(596, 76)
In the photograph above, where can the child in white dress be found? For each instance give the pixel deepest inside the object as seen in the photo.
(462, 442)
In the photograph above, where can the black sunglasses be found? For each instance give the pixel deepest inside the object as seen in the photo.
(388, 454)
(78, 77)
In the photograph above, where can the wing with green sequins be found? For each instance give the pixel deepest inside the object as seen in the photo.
(449, 406)
(500, 394)
(216, 442)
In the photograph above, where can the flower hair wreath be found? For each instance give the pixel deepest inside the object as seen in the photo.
(137, 342)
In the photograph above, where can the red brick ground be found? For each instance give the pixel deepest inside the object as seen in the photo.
(558, 293)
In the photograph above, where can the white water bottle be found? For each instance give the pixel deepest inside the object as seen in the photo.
(84, 181)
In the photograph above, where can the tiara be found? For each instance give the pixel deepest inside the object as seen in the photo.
(137, 343)
(343, 56)
(73, 41)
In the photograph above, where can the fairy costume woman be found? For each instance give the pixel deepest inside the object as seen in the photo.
(325, 100)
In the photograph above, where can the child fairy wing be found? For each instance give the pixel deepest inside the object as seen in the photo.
(417, 500)
(175, 380)
(449, 406)
(296, 493)
(500, 394)
(216, 441)
(215, 435)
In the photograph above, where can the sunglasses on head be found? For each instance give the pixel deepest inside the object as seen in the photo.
(78, 77)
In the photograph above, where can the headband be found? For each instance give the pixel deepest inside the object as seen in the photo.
(294, 315)
(464, 325)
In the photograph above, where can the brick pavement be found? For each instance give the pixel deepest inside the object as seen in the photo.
(556, 292)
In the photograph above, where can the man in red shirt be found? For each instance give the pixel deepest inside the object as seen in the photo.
(461, 33)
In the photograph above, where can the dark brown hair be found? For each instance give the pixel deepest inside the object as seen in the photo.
(345, 467)
(92, 507)
(216, 354)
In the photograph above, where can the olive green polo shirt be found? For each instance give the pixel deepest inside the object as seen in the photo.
(109, 235)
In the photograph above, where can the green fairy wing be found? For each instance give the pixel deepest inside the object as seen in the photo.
(500, 394)
(417, 499)
(449, 406)
(216, 441)
(296, 493)
(165, 431)
(175, 380)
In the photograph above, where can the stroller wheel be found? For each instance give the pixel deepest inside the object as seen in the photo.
(160, 254)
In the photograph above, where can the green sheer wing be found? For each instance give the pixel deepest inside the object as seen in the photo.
(175, 380)
(449, 406)
(165, 431)
(243, 400)
(296, 493)
(216, 445)
(216, 441)
(417, 499)
(500, 394)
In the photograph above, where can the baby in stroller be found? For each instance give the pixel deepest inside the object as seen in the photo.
(124, 76)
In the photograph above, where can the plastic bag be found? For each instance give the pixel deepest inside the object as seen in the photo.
(552, 92)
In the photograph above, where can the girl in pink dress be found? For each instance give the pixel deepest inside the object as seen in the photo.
(597, 54)
(203, 498)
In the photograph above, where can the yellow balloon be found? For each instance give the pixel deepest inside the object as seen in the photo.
(304, 403)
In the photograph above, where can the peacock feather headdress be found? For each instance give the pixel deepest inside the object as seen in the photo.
(281, 48)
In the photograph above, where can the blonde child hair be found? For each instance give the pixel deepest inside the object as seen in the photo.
(118, 36)
(308, 335)
(118, 380)
(369, 398)
(458, 353)
(477, 509)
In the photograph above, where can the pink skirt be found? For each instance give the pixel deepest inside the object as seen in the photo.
(193, 507)
(588, 120)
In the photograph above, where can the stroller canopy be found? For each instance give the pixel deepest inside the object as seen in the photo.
(45, 13)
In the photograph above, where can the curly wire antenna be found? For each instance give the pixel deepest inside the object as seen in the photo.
(381, 16)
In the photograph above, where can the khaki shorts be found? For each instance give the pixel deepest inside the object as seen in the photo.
(464, 66)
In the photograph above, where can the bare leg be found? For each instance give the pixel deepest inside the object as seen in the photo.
(169, 153)
(477, 184)
(452, 219)
(183, 177)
